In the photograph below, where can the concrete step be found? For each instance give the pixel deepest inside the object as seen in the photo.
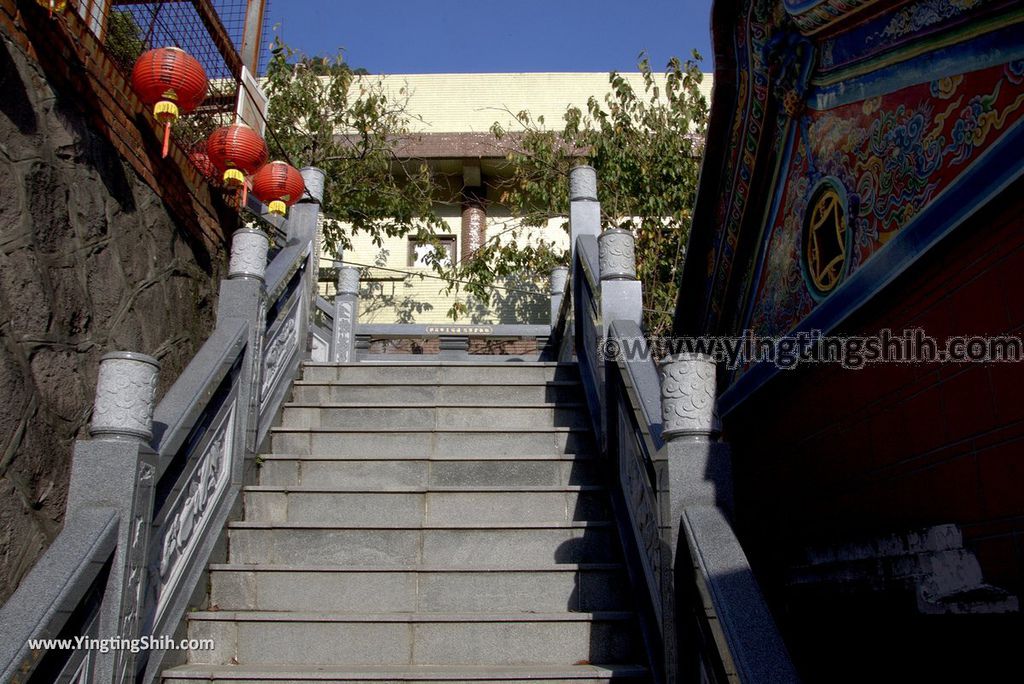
(572, 587)
(544, 392)
(286, 470)
(513, 545)
(415, 506)
(426, 417)
(402, 639)
(417, 443)
(468, 674)
(439, 373)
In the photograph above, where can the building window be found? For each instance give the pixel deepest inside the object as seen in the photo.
(826, 238)
(420, 252)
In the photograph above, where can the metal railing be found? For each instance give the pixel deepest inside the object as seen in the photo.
(704, 617)
(144, 513)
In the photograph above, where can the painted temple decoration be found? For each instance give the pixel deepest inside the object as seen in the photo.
(863, 174)
(860, 133)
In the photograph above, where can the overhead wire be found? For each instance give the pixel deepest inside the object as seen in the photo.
(416, 274)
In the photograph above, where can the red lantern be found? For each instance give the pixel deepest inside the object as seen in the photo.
(172, 82)
(279, 186)
(53, 5)
(237, 151)
(201, 160)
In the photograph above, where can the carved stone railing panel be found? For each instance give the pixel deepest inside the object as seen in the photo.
(189, 510)
(280, 348)
(152, 490)
(638, 490)
(76, 560)
(133, 596)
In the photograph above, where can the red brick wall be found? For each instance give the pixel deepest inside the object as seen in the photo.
(477, 345)
(827, 453)
(77, 66)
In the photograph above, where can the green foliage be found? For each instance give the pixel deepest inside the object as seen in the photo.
(325, 66)
(124, 38)
(646, 150)
(645, 147)
(319, 115)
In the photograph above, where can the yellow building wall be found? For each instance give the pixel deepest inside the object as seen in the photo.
(469, 103)
(392, 291)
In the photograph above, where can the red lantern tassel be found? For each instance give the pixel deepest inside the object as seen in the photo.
(167, 138)
(245, 193)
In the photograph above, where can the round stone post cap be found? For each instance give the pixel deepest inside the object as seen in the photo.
(348, 280)
(616, 253)
(314, 179)
(688, 396)
(125, 393)
(583, 183)
(248, 253)
(559, 274)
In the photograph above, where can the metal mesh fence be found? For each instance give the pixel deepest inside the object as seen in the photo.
(135, 27)
(211, 31)
(232, 14)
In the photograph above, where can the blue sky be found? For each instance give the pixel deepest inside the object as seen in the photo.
(441, 36)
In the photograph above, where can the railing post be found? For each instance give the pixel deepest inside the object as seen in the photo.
(242, 297)
(116, 470)
(584, 207)
(346, 313)
(303, 221)
(584, 219)
(689, 425)
(621, 300)
(621, 294)
(559, 275)
(698, 463)
(453, 347)
(722, 612)
(363, 343)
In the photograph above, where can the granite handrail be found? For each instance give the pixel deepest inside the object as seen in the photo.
(184, 403)
(152, 490)
(703, 616)
(406, 330)
(587, 324)
(324, 307)
(562, 332)
(284, 266)
(639, 376)
(47, 600)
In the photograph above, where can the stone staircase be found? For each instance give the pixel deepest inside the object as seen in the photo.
(423, 522)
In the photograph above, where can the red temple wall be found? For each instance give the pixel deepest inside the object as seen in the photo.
(824, 453)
